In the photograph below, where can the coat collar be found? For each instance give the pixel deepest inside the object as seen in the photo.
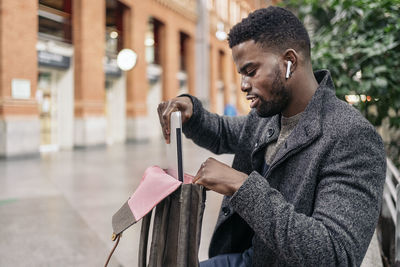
(308, 128)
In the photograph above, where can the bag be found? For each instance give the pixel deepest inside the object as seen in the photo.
(179, 212)
(177, 221)
(176, 230)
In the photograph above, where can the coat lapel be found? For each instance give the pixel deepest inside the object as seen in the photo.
(304, 134)
(309, 127)
(269, 134)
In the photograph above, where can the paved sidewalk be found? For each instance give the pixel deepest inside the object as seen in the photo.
(56, 210)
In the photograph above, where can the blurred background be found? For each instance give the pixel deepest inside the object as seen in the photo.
(80, 81)
(62, 78)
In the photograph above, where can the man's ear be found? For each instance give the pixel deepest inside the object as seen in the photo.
(292, 56)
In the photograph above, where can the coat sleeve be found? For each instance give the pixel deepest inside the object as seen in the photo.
(219, 134)
(347, 204)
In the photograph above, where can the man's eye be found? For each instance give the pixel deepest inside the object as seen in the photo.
(251, 73)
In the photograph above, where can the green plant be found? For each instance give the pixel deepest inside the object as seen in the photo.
(359, 42)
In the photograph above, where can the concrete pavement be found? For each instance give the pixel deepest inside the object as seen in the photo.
(55, 210)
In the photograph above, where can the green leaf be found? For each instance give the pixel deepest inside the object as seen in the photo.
(380, 82)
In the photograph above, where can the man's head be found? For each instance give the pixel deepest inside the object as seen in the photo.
(272, 28)
(262, 46)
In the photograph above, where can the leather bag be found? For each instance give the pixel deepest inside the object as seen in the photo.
(176, 224)
(176, 231)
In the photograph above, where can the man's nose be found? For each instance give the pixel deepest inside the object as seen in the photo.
(245, 85)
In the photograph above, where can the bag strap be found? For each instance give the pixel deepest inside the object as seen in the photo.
(114, 237)
(159, 233)
(144, 237)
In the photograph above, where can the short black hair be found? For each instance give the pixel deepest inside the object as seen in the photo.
(273, 27)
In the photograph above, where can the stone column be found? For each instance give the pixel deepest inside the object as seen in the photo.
(241, 103)
(190, 64)
(19, 114)
(89, 46)
(227, 77)
(238, 92)
(213, 78)
(203, 54)
(170, 60)
(135, 24)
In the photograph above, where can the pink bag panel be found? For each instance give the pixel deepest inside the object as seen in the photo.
(155, 185)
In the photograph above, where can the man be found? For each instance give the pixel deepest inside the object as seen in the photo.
(306, 182)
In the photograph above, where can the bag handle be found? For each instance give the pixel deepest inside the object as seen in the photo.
(144, 237)
(114, 237)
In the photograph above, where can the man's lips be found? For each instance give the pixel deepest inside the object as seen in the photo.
(254, 100)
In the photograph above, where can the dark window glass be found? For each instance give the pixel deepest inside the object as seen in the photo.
(55, 20)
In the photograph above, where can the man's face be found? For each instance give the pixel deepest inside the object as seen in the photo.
(262, 78)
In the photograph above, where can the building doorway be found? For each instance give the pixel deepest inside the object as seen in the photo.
(46, 97)
(55, 77)
(115, 109)
(55, 98)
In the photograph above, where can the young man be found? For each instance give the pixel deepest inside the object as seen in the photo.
(305, 187)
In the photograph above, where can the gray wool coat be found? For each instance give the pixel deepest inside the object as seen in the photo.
(319, 203)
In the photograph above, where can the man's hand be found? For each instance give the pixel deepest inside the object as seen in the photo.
(219, 177)
(183, 104)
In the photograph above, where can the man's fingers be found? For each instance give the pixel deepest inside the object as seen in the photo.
(161, 109)
(164, 113)
(198, 180)
(165, 109)
(167, 118)
(199, 173)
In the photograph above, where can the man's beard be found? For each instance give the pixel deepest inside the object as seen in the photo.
(280, 98)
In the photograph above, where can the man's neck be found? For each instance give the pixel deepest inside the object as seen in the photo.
(304, 87)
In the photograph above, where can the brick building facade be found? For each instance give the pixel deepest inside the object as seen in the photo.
(60, 86)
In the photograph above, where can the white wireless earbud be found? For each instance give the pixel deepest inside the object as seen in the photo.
(289, 64)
